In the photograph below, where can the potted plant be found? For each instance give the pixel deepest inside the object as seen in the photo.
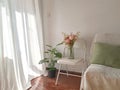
(52, 56)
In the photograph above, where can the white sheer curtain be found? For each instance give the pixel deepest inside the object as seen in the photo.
(21, 43)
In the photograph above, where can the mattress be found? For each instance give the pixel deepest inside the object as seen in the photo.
(100, 77)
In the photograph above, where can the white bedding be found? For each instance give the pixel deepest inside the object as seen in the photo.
(100, 77)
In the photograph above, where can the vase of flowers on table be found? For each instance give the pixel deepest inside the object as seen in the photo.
(69, 40)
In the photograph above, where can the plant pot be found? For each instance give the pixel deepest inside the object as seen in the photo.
(52, 73)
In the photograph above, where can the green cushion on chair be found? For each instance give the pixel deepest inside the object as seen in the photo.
(106, 54)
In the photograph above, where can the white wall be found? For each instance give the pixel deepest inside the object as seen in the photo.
(86, 16)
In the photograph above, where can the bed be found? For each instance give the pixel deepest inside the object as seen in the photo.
(104, 75)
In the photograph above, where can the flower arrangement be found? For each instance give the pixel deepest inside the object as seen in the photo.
(69, 40)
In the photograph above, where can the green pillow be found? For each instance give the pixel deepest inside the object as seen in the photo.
(106, 54)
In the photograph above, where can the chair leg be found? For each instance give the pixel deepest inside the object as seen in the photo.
(67, 70)
(82, 84)
(82, 81)
(58, 75)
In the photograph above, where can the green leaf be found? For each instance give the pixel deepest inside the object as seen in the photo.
(49, 46)
(44, 60)
(48, 49)
(46, 52)
(50, 69)
(58, 54)
(59, 43)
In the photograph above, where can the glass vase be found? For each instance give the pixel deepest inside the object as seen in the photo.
(70, 52)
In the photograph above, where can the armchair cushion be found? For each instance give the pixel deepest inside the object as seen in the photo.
(106, 54)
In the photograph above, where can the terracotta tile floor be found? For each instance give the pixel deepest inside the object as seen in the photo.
(64, 83)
